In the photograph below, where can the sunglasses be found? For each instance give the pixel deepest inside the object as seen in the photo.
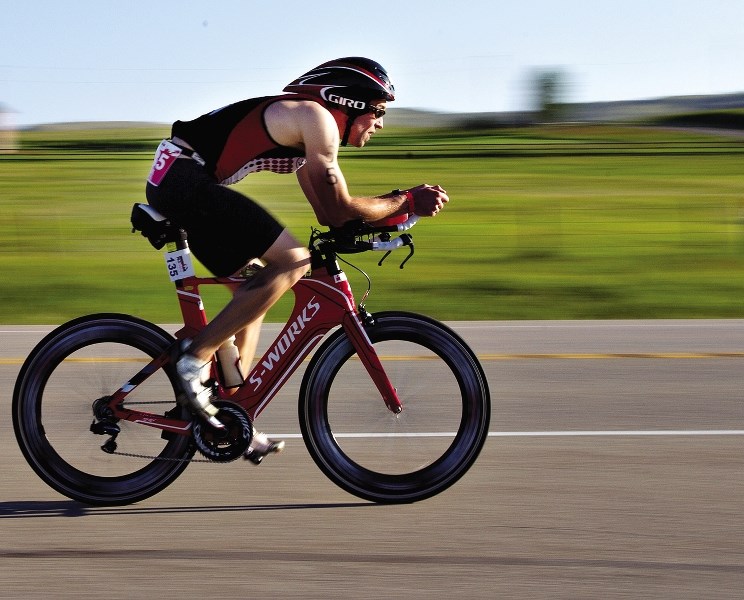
(377, 111)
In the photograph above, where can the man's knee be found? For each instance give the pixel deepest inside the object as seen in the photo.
(288, 255)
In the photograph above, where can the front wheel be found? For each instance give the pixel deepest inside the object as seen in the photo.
(374, 454)
(71, 368)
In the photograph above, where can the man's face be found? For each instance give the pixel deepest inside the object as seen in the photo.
(367, 124)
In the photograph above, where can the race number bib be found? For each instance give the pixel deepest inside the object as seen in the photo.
(179, 264)
(165, 156)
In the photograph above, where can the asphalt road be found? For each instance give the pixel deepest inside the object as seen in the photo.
(614, 470)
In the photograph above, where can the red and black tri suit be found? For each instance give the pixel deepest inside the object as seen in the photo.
(226, 229)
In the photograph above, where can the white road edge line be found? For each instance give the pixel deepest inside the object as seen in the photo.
(628, 433)
(624, 433)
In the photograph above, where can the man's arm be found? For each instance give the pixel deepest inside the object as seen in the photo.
(334, 206)
(309, 125)
(324, 183)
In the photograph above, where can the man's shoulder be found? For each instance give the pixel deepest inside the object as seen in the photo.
(304, 110)
(299, 102)
(299, 122)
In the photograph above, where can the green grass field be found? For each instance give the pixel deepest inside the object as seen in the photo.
(551, 223)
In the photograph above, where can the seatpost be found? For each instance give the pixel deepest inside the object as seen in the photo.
(182, 243)
(178, 259)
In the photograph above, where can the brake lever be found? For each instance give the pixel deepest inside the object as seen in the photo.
(407, 241)
(410, 254)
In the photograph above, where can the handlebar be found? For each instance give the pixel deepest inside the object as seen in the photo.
(358, 236)
(388, 245)
(407, 224)
(361, 228)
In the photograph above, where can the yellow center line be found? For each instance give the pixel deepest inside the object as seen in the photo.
(92, 359)
(482, 357)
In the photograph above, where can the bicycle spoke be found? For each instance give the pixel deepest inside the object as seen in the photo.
(370, 451)
(374, 437)
(77, 364)
(86, 375)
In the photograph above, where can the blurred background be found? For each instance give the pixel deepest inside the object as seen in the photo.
(592, 152)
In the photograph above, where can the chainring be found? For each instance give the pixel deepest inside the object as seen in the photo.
(228, 444)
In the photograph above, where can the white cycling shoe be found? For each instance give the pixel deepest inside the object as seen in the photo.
(261, 446)
(195, 385)
(197, 391)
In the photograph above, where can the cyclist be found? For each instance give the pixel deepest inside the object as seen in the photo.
(339, 102)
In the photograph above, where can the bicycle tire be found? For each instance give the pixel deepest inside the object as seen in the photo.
(66, 372)
(399, 458)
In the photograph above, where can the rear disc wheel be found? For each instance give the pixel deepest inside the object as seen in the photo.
(69, 370)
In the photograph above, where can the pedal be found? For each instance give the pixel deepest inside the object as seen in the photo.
(256, 457)
(253, 457)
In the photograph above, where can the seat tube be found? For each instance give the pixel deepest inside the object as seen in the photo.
(179, 263)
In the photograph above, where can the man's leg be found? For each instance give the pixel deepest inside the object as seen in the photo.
(286, 262)
(290, 261)
(247, 340)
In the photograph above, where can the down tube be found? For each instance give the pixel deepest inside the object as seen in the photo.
(319, 307)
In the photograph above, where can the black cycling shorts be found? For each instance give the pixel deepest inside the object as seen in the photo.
(226, 229)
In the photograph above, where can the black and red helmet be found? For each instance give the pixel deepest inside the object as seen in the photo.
(348, 83)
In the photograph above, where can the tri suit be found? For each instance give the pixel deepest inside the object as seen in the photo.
(187, 181)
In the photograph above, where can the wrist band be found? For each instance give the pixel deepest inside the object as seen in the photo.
(411, 203)
(409, 197)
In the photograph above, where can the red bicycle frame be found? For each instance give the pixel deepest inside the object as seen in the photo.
(323, 301)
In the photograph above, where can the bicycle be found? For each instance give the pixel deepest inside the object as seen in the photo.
(393, 407)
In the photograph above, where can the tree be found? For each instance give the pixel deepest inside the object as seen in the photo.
(549, 88)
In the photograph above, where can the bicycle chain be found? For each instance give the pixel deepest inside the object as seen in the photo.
(168, 459)
(186, 460)
(165, 458)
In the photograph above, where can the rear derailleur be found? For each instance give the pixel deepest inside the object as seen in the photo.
(104, 423)
(218, 445)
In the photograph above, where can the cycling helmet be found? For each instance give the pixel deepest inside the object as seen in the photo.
(346, 84)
